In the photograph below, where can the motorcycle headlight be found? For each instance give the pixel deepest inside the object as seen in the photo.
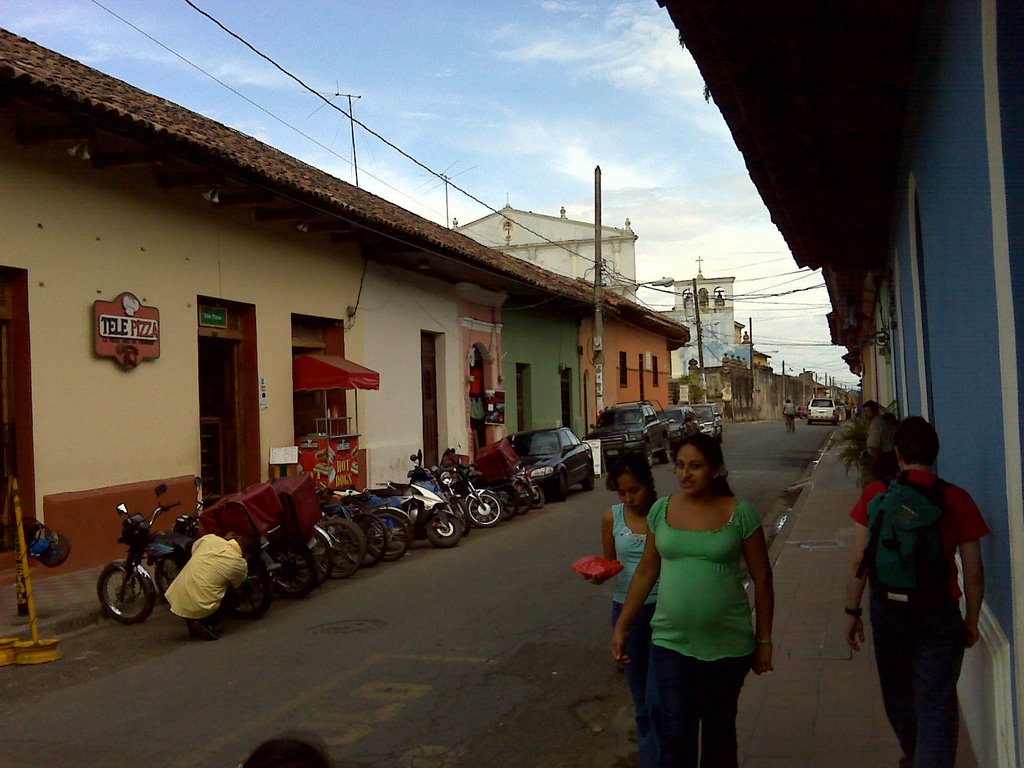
(541, 471)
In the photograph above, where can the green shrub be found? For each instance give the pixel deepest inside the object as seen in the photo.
(853, 449)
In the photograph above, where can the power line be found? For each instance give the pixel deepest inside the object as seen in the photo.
(369, 130)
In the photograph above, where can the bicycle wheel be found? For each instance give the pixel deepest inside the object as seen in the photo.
(348, 546)
(399, 529)
(125, 594)
(376, 534)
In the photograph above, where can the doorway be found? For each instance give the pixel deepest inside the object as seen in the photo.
(219, 418)
(229, 432)
(428, 377)
(566, 396)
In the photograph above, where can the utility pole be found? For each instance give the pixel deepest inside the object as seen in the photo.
(750, 335)
(598, 298)
(352, 123)
(700, 336)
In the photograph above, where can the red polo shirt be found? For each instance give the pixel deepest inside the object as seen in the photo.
(961, 524)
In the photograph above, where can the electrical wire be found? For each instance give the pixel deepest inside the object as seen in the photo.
(371, 131)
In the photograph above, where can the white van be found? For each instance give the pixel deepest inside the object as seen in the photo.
(822, 409)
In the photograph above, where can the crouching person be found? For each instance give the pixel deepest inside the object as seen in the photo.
(202, 593)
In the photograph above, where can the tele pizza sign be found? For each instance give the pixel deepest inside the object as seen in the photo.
(126, 330)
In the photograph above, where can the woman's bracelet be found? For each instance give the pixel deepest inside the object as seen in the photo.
(764, 642)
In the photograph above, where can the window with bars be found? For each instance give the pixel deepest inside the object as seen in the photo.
(623, 370)
(654, 369)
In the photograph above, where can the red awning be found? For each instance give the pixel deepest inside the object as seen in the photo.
(312, 372)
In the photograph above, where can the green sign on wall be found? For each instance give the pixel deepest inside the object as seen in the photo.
(213, 317)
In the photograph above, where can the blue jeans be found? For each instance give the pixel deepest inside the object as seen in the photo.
(918, 653)
(641, 683)
(698, 708)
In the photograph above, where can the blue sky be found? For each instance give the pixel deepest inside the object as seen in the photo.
(514, 101)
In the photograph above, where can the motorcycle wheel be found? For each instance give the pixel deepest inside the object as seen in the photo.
(255, 595)
(521, 491)
(348, 547)
(443, 529)
(484, 509)
(376, 538)
(399, 529)
(537, 498)
(165, 571)
(320, 546)
(126, 595)
(297, 575)
(508, 505)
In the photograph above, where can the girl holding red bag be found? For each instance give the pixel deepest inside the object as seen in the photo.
(624, 536)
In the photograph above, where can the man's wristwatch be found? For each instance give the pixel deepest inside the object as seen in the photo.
(855, 612)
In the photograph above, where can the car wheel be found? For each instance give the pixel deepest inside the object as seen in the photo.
(721, 437)
(587, 484)
(560, 488)
(649, 454)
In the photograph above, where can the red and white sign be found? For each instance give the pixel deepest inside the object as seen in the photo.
(126, 330)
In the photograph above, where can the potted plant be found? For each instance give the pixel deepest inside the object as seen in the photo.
(853, 449)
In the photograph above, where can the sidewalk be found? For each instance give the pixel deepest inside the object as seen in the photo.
(820, 707)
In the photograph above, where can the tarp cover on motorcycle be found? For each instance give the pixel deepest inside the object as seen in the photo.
(497, 461)
(313, 372)
(301, 506)
(257, 509)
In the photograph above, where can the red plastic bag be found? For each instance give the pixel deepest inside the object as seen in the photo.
(595, 565)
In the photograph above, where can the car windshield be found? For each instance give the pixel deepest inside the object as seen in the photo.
(821, 403)
(535, 444)
(674, 415)
(620, 417)
(704, 411)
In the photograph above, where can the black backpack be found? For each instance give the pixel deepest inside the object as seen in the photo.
(904, 557)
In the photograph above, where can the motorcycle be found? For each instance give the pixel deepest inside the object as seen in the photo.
(431, 514)
(127, 591)
(483, 508)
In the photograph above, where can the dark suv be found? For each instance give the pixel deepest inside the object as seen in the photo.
(683, 423)
(710, 419)
(632, 428)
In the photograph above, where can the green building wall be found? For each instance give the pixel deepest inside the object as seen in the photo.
(545, 342)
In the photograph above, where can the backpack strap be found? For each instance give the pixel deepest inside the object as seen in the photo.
(869, 551)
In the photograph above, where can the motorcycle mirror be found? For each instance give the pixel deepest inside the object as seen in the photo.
(199, 482)
(419, 455)
(161, 489)
(122, 508)
(412, 457)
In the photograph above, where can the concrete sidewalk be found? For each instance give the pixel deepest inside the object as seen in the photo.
(820, 707)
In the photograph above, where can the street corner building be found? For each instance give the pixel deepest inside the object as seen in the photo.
(179, 299)
(887, 141)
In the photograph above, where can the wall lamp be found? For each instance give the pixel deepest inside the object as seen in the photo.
(80, 150)
(213, 195)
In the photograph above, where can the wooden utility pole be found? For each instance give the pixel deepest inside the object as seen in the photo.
(598, 298)
(700, 336)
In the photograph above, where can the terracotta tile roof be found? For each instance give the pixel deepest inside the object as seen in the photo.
(33, 73)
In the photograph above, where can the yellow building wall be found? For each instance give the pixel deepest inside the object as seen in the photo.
(84, 235)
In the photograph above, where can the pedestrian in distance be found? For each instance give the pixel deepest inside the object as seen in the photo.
(789, 412)
(918, 631)
(201, 594)
(879, 442)
(703, 643)
(624, 536)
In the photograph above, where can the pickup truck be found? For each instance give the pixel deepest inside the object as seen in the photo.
(632, 428)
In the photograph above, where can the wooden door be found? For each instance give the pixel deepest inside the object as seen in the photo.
(428, 369)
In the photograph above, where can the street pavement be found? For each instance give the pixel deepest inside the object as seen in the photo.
(820, 707)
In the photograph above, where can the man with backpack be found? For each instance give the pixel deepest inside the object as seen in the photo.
(908, 529)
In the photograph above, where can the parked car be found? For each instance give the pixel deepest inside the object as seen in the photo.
(822, 410)
(632, 428)
(710, 419)
(801, 411)
(683, 423)
(555, 459)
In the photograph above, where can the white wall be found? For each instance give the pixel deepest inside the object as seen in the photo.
(394, 309)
